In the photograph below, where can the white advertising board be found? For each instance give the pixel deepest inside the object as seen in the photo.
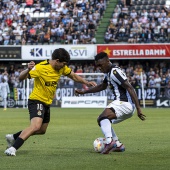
(43, 52)
(84, 102)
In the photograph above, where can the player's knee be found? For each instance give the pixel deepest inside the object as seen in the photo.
(42, 132)
(100, 118)
(35, 128)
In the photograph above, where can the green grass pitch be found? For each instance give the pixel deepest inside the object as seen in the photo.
(68, 143)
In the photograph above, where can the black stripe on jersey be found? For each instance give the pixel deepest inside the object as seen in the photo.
(69, 73)
(118, 91)
(115, 78)
(105, 80)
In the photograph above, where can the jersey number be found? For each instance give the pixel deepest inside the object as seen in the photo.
(39, 107)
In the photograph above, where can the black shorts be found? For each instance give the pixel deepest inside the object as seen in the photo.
(38, 109)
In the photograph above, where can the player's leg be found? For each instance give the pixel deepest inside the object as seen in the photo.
(115, 137)
(123, 111)
(36, 111)
(46, 121)
(104, 121)
(25, 134)
(5, 103)
(10, 138)
(5, 100)
(120, 146)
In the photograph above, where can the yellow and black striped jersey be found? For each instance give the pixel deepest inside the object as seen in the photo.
(45, 81)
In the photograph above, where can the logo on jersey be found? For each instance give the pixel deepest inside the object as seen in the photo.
(36, 52)
(51, 83)
(39, 113)
(114, 72)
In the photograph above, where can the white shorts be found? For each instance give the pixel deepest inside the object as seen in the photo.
(123, 110)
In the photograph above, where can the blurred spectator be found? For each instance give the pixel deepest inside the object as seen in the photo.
(124, 12)
(168, 32)
(11, 70)
(22, 16)
(158, 84)
(93, 40)
(37, 7)
(1, 39)
(6, 38)
(107, 37)
(9, 21)
(134, 82)
(151, 82)
(34, 40)
(168, 85)
(163, 85)
(29, 3)
(128, 2)
(47, 36)
(162, 36)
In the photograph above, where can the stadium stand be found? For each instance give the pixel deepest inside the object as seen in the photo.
(145, 21)
(84, 21)
(70, 22)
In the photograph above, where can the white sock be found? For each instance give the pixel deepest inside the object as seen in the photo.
(114, 134)
(105, 126)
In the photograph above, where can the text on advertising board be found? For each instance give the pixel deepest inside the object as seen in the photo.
(139, 51)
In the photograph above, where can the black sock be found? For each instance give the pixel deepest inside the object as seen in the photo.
(18, 143)
(16, 134)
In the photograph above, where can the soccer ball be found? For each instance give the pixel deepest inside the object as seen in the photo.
(99, 144)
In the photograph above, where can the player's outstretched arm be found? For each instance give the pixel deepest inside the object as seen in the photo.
(79, 79)
(132, 93)
(95, 89)
(24, 74)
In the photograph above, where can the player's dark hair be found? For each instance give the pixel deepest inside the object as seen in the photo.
(61, 54)
(100, 55)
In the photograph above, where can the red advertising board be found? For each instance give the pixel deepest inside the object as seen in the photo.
(136, 51)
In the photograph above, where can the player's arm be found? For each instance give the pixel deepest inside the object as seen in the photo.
(25, 73)
(132, 93)
(95, 89)
(79, 79)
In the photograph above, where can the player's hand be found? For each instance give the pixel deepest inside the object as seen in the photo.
(91, 84)
(141, 116)
(77, 92)
(31, 65)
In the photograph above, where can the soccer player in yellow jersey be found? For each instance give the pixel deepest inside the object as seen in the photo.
(46, 75)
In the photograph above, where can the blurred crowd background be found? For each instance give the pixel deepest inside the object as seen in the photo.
(76, 21)
(35, 22)
(155, 74)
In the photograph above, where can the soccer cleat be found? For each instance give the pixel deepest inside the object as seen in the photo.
(119, 149)
(5, 109)
(10, 140)
(109, 147)
(10, 151)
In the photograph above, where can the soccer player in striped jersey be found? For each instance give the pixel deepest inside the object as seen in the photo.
(123, 105)
(46, 75)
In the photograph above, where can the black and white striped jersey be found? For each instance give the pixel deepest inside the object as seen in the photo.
(114, 79)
